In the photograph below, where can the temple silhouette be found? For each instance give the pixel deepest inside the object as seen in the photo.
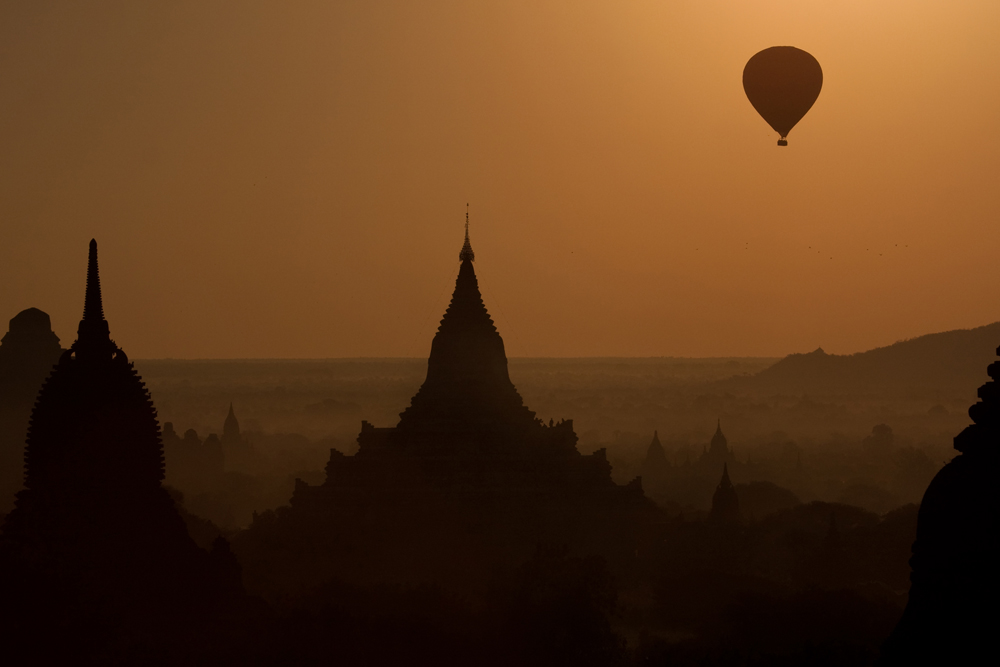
(467, 481)
(725, 502)
(235, 448)
(655, 466)
(193, 464)
(718, 450)
(95, 557)
(28, 351)
(951, 616)
(697, 480)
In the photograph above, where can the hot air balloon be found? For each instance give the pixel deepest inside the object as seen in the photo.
(782, 83)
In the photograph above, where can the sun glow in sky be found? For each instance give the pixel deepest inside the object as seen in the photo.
(289, 179)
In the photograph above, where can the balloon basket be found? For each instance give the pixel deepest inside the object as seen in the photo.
(782, 142)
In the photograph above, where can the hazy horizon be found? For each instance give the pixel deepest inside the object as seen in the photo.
(514, 358)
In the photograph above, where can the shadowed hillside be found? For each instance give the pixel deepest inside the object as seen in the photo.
(951, 360)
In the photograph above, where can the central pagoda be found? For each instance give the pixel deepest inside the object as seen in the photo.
(468, 392)
(467, 406)
(467, 481)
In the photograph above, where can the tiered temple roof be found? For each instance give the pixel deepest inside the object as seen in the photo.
(467, 392)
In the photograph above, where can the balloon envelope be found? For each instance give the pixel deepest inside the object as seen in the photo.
(782, 83)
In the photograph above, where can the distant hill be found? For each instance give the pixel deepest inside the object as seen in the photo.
(949, 361)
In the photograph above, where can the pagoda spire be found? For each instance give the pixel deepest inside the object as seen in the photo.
(92, 306)
(468, 387)
(93, 332)
(467, 253)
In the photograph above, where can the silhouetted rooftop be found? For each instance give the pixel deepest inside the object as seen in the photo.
(30, 326)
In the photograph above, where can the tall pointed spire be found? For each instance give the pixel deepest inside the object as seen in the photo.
(467, 253)
(92, 306)
(93, 331)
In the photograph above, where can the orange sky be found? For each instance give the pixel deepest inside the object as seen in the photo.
(289, 179)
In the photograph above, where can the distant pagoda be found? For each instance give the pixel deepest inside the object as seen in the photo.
(719, 447)
(725, 502)
(231, 429)
(655, 464)
(95, 542)
(717, 453)
(467, 480)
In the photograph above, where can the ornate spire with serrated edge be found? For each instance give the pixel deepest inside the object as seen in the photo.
(93, 331)
(467, 253)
